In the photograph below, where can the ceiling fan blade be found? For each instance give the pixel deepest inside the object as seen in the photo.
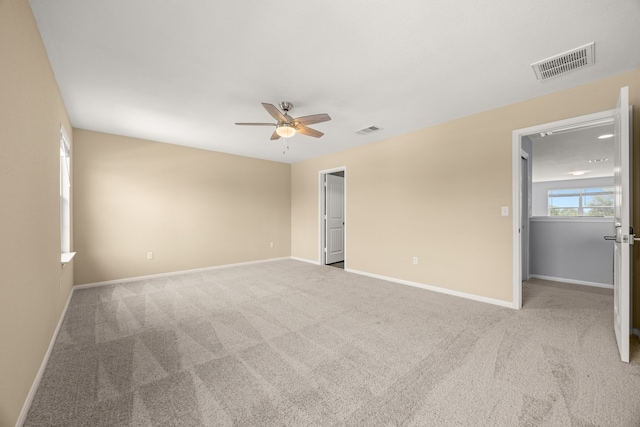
(308, 131)
(275, 113)
(256, 124)
(275, 136)
(316, 118)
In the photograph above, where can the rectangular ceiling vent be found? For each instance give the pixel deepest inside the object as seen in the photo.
(565, 62)
(368, 130)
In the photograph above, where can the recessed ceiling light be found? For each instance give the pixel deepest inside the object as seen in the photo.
(606, 136)
(577, 173)
(598, 160)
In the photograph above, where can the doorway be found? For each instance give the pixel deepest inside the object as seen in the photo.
(332, 216)
(623, 236)
(524, 206)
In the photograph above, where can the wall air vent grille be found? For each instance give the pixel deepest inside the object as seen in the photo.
(368, 130)
(565, 62)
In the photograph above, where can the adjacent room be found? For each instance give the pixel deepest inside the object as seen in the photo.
(570, 214)
(331, 213)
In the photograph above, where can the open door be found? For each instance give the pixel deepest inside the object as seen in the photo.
(622, 223)
(334, 217)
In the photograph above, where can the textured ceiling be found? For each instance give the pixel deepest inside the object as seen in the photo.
(185, 72)
(555, 156)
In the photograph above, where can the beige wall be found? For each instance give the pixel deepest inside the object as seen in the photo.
(33, 287)
(436, 193)
(191, 208)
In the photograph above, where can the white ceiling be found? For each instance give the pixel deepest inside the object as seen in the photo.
(555, 156)
(184, 72)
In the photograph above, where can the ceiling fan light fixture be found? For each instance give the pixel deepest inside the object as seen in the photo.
(285, 130)
(287, 126)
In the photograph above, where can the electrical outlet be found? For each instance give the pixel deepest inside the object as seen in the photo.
(271, 244)
(415, 260)
(149, 255)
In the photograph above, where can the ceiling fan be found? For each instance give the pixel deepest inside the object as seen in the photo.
(288, 126)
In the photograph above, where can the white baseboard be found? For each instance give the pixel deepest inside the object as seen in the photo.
(571, 281)
(36, 382)
(309, 261)
(436, 289)
(174, 273)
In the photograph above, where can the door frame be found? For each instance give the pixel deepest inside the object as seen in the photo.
(321, 202)
(601, 117)
(524, 156)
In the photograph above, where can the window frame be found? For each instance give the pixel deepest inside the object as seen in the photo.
(65, 197)
(581, 193)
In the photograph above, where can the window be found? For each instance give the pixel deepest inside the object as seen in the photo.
(592, 201)
(65, 194)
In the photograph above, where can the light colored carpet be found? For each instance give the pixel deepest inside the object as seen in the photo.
(287, 343)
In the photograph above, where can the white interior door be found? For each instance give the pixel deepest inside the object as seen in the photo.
(622, 224)
(334, 217)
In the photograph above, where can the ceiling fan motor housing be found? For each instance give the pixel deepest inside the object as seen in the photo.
(286, 106)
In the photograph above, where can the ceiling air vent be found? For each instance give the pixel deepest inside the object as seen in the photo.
(368, 130)
(565, 62)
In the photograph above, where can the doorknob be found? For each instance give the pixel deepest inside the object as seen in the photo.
(609, 237)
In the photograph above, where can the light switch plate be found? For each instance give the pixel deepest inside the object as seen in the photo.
(505, 211)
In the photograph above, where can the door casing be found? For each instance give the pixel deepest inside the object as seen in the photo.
(524, 204)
